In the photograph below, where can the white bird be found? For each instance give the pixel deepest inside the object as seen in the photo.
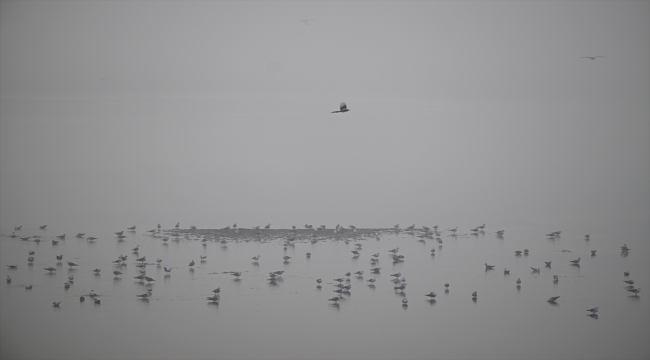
(158, 260)
(71, 278)
(631, 282)
(203, 257)
(136, 248)
(92, 293)
(359, 273)
(372, 281)
(256, 257)
(405, 301)
(286, 258)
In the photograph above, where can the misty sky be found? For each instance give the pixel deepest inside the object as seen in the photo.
(213, 112)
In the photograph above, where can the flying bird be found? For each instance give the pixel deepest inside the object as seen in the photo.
(344, 108)
(591, 57)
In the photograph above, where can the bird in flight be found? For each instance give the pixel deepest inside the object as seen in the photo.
(306, 21)
(591, 57)
(344, 108)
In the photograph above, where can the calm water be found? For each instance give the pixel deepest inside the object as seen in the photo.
(293, 319)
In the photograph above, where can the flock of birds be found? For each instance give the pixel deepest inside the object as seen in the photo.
(342, 285)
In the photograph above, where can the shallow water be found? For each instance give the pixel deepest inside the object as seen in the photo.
(293, 319)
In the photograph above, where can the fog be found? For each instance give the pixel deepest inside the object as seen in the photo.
(209, 113)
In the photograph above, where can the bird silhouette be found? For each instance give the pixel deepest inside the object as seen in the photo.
(591, 57)
(344, 108)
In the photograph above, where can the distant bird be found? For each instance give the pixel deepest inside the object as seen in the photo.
(372, 281)
(286, 257)
(500, 232)
(636, 291)
(474, 295)
(82, 298)
(144, 296)
(66, 285)
(62, 237)
(8, 279)
(119, 233)
(319, 281)
(268, 226)
(576, 261)
(488, 267)
(555, 278)
(432, 295)
(142, 259)
(553, 299)
(158, 260)
(535, 270)
(192, 263)
(80, 235)
(306, 21)
(90, 238)
(30, 259)
(97, 301)
(131, 228)
(548, 264)
(178, 224)
(591, 57)
(43, 227)
(631, 282)
(256, 257)
(149, 279)
(593, 310)
(344, 108)
(336, 299)
(71, 278)
(28, 287)
(359, 273)
(593, 252)
(12, 266)
(375, 270)
(518, 281)
(167, 269)
(405, 302)
(18, 227)
(203, 257)
(92, 293)
(214, 297)
(626, 273)
(506, 271)
(56, 303)
(116, 273)
(236, 274)
(356, 253)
